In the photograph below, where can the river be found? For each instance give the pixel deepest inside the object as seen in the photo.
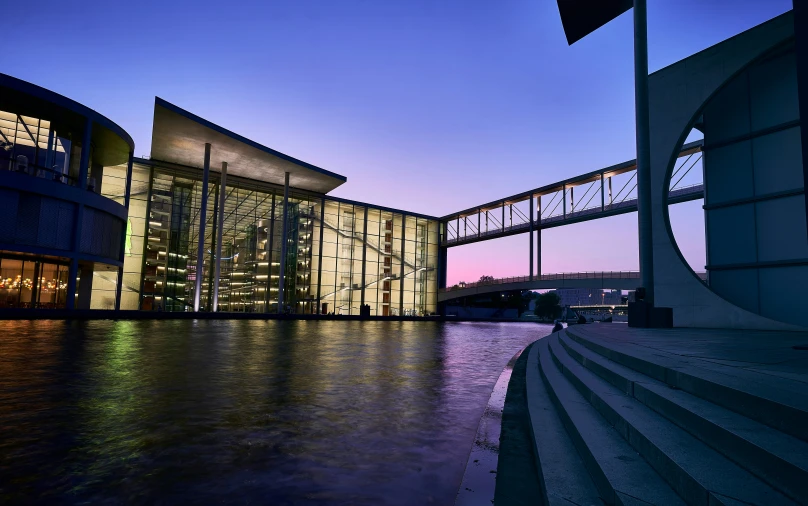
(246, 411)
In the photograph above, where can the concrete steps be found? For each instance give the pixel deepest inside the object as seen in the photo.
(564, 479)
(641, 440)
(777, 458)
(780, 404)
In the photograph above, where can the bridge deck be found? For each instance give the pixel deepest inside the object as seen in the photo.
(614, 280)
(677, 196)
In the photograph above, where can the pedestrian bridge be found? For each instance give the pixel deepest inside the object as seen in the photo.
(613, 280)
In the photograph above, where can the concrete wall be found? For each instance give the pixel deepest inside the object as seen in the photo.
(679, 96)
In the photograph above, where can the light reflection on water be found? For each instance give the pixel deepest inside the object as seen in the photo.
(287, 412)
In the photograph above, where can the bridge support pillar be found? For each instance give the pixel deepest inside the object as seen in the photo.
(531, 237)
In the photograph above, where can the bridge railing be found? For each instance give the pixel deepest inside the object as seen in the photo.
(560, 276)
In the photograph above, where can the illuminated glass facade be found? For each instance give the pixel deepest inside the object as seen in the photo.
(339, 254)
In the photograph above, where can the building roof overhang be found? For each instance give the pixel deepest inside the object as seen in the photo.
(179, 137)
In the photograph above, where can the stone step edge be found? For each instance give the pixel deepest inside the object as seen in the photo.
(782, 417)
(598, 468)
(682, 476)
(771, 465)
(563, 477)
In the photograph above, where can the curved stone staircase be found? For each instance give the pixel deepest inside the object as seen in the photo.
(618, 423)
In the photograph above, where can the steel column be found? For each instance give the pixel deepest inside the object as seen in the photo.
(200, 248)
(564, 200)
(284, 242)
(644, 211)
(270, 239)
(364, 259)
(602, 194)
(320, 254)
(401, 275)
(219, 229)
(610, 191)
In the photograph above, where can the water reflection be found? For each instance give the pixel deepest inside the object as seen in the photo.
(244, 411)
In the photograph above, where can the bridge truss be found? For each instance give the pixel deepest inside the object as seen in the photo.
(582, 198)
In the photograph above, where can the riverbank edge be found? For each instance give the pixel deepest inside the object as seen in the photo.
(106, 314)
(517, 475)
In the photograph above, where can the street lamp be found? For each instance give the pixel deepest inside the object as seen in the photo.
(582, 17)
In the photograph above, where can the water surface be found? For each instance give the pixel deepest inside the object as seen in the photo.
(280, 412)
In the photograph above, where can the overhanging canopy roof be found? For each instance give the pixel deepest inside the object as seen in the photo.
(180, 137)
(582, 17)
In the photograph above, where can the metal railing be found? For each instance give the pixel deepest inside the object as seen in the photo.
(589, 211)
(41, 172)
(559, 276)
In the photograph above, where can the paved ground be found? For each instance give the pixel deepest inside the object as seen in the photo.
(770, 353)
(517, 476)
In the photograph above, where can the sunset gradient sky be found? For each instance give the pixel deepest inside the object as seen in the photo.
(425, 105)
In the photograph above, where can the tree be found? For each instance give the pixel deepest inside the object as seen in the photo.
(548, 305)
(486, 279)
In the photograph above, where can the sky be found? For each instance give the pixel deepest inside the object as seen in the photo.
(425, 105)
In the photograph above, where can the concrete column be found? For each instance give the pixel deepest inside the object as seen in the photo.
(644, 214)
(85, 286)
(200, 248)
(219, 225)
(320, 254)
(537, 226)
(270, 240)
(364, 258)
(284, 242)
(84, 161)
(801, 45)
(531, 237)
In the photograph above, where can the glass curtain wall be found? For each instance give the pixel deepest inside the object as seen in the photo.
(400, 252)
(32, 146)
(32, 283)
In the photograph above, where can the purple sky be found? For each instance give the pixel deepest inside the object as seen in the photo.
(426, 105)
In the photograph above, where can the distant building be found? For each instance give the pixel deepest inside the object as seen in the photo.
(588, 296)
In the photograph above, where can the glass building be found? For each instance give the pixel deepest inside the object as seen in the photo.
(64, 197)
(322, 255)
(211, 221)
